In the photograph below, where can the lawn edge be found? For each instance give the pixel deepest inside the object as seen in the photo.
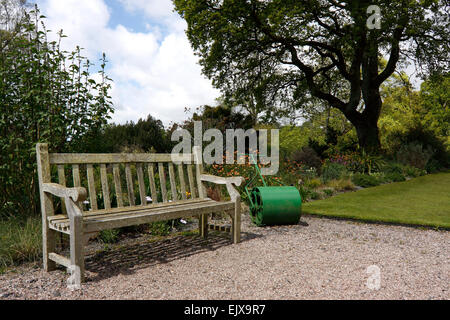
(377, 222)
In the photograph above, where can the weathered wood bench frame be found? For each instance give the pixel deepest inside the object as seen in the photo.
(81, 224)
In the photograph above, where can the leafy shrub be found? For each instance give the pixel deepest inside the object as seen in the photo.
(308, 157)
(433, 166)
(109, 236)
(365, 180)
(369, 163)
(314, 195)
(341, 184)
(333, 171)
(393, 168)
(304, 193)
(412, 172)
(395, 177)
(380, 176)
(328, 192)
(414, 154)
(47, 95)
(313, 183)
(428, 141)
(160, 228)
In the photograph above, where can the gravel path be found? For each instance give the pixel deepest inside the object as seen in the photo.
(326, 259)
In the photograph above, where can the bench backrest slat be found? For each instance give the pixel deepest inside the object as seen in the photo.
(105, 186)
(91, 187)
(151, 177)
(173, 184)
(141, 182)
(182, 183)
(191, 181)
(130, 187)
(117, 184)
(104, 176)
(107, 158)
(62, 181)
(162, 181)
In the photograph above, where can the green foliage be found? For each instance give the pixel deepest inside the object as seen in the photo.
(146, 135)
(308, 157)
(161, 228)
(46, 95)
(393, 167)
(20, 240)
(280, 56)
(333, 171)
(415, 155)
(314, 195)
(413, 172)
(341, 184)
(109, 236)
(420, 201)
(313, 183)
(293, 138)
(328, 192)
(394, 177)
(365, 180)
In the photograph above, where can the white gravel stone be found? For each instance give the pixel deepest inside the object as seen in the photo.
(326, 260)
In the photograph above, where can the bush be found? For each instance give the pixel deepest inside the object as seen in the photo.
(395, 177)
(414, 154)
(412, 171)
(341, 185)
(109, 236)
(393, 168)
(328, 192)
(160, 228)
(313, 183)
(424, 141)
(308, 157)
(314, 195)
(333, 171)
(365, 180)
(433, 166)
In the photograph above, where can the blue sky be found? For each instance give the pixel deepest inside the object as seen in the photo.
(150, 59)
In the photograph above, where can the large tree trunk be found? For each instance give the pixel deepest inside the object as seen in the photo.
(366, 123)
(368, 136)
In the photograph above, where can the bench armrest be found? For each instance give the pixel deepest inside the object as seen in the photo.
(76, 194)
(229, 182)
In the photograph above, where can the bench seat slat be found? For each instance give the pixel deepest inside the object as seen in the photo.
(102, 212)
(93, 223)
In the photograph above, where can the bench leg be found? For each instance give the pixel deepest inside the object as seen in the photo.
(203, 226)
(236, 224)
(76, 270)
(48, 246)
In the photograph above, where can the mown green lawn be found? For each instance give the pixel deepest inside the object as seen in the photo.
(421, 201)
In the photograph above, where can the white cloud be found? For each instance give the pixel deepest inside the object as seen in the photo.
(153, 74)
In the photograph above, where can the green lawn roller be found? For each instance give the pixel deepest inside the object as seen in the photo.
(277, 205)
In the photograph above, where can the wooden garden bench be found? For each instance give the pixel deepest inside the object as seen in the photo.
(81, 219)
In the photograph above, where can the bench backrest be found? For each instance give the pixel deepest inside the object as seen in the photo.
(120, 180)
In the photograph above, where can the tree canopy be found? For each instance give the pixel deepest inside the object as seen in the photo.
(287, 50)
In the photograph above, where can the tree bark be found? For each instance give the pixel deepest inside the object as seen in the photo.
(366, 123)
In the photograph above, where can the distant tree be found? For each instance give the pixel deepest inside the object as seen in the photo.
(146, 135)
(289, 48)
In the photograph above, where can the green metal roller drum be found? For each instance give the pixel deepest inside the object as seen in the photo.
(277, 205)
